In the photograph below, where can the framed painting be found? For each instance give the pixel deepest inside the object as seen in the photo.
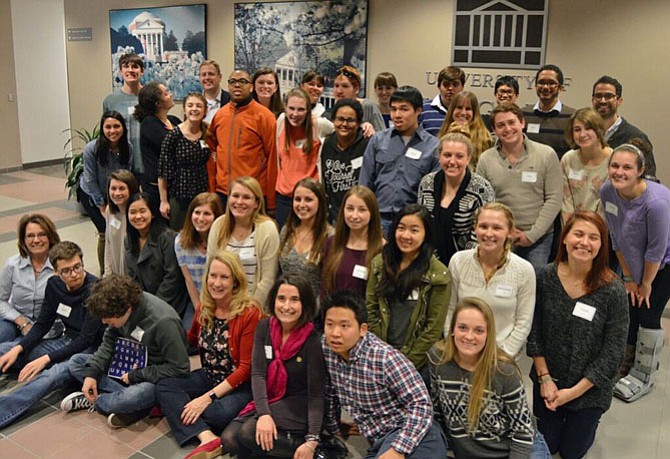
(171, 40)
(293, 37)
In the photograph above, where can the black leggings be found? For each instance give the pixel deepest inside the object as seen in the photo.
(92, 210)
(650, 318)
(240, 438)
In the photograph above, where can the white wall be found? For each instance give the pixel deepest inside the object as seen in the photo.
(41, 77)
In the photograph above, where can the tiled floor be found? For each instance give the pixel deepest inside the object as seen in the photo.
(638, 430)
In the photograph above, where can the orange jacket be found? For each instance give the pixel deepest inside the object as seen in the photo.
(243, 138)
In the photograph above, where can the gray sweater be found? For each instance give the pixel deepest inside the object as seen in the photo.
(574, 347)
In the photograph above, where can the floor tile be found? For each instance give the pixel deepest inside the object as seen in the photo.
(95, 445)
(9, 449)
(55, 432)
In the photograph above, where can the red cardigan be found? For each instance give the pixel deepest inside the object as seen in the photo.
(241, 329)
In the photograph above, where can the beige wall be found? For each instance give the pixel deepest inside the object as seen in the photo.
(628, 40)
(9, 116)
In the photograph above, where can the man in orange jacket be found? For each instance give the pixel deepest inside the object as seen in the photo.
(243, 137)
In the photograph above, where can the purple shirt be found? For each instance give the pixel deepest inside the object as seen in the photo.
(640, 228)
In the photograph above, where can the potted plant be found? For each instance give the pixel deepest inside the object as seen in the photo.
(73, 160)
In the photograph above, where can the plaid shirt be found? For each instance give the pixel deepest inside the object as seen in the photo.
(381, 390)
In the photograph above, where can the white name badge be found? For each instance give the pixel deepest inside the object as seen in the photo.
(414, 296)
(268, 352)
(64, 310)
(533, 128)
(575, 175)
(584, 311)
(504, 291)
(356, 163)
(131, 111)
(413, 153)
(203, 144)
(611, 208)
(529, 176)
(360, 272)
(300, 143)
(246, 253)
(115, 223)
(137, 334)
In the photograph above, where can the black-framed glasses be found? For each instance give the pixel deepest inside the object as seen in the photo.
(238, 81)
(347, 74)
(607, 96)
(549, 84)
(343, 120)
(505, 92)
(67, 272)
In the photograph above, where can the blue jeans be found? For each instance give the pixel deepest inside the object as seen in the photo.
(44, 347)
(173, 394)
(14, 404)
(539, 450)
(433, 444)
(114, 397)
(538, 253)
(283, 208)
(8, 331)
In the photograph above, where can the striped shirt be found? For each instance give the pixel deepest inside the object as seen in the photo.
(381, 390)
(193, 259)
(246, 250)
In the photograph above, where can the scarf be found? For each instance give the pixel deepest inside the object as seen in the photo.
(276, 375)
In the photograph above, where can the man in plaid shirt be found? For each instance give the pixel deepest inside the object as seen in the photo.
(379, 388)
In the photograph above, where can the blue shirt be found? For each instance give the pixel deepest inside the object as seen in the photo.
(20, 292)
(433, 115)
(394, 170)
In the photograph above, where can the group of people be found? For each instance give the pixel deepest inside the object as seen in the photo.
(386, 259)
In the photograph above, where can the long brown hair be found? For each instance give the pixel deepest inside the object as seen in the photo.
(320, 228)
(241, 297)
(487, 364)
(189, 236)
(600, 274)
(44, 222)
(308, 124)
(479, 135)
(342, 232)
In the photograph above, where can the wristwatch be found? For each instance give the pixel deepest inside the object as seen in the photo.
(212, 395)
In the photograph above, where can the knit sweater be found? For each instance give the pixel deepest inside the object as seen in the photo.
(551, 127)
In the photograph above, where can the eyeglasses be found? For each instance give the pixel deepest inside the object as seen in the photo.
(607, 96)
(40, 235)
(241, 82)
(343, 120)
(549, 84)
(67, 272)
(505, 92)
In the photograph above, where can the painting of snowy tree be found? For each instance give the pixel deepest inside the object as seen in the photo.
(171, 41)
(293, 37)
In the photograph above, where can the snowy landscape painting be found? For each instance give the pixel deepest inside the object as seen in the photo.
(172, 42)
(293, 37)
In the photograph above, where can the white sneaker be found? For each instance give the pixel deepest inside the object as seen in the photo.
(74, 402)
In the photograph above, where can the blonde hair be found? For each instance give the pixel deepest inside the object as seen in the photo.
(509, 216)
(241, 300)
(258, 216)
(487, 363)
(479, 135)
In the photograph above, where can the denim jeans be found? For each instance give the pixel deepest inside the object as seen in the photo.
(539, 450)
(433, 444)
(43, 348)
(14, 404)
(173, 394)
(283, 208)
(114, 397)
(8, 331)
(538, 253)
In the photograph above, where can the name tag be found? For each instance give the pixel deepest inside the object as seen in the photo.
(611, 208)
(115, 223)
(575, 175)
(131, 111)
(529, 176)
(504, 291)
(414, 296)
(137, 334)
(203, 144)
(246, 254)
(268, 352)
(300, 143)
(64, 310)
(356, 163)
(413, 153)
(360, 272)
(533, 128)
(584, 311)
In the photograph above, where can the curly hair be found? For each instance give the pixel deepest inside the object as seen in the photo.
(111, 296)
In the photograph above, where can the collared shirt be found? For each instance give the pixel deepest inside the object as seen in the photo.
(394, 170)
(432, 116)
(558, 107)
(212, 106)
(381, 390)
(20, 292)
(612, 129)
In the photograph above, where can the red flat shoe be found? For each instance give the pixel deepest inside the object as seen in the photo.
(208, 450)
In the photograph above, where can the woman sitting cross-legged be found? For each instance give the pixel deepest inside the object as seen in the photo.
(287, 379)
(202, 404)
